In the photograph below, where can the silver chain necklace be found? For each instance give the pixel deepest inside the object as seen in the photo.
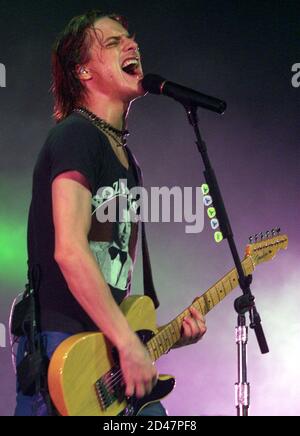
(118, 135)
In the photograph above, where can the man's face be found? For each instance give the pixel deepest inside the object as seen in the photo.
(113, 51)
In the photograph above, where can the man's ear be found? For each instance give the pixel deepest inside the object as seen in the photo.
(83, 73)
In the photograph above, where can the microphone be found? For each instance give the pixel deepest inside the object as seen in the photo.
(188, 97)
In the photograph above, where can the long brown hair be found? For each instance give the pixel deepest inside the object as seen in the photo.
(71, 49)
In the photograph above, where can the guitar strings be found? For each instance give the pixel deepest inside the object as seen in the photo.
(117, 377)
(114, 380)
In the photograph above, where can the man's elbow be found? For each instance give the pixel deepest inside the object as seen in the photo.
(68, 254)
(62, 255)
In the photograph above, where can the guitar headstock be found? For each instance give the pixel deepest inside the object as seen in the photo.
(264, 246)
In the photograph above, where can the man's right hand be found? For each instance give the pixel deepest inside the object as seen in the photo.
(139, 372)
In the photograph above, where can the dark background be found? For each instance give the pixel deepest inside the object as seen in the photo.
(242, 52)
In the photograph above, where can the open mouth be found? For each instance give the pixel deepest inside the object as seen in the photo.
(132, 67)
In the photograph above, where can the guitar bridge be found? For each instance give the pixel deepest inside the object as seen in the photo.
(110, 388)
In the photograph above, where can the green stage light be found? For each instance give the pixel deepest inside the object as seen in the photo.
(13, 252)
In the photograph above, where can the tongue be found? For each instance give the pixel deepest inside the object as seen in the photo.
(129, 69)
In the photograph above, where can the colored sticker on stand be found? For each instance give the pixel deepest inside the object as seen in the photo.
(207, 200)
(211, 212)
(205, 189)
(214, 223)
(218, 236)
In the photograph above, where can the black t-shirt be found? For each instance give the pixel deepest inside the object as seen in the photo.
(76, 144)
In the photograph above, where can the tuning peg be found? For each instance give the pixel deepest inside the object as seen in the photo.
(268, 233)
(256, 237)
(276, 231)
(251, 239)
(261, 236)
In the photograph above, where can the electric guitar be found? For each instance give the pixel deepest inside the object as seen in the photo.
(84, 376)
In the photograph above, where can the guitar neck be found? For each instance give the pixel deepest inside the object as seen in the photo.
(163, 341)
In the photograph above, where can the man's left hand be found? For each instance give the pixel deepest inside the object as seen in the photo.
(193, 328)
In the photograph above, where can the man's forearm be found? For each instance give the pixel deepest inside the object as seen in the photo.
(88, 286)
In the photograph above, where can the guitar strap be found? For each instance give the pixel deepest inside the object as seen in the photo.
(149, 289)
(32, 369)
(41, 366)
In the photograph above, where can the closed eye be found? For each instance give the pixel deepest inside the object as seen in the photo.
(115, 40)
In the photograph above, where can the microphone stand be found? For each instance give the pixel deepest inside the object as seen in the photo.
(244, 303)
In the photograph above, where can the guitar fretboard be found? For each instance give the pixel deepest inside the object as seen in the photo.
(163, 341)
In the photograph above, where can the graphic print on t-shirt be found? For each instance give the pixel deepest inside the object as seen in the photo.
(111, 242)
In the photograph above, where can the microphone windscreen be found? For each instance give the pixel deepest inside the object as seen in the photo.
(152, 83)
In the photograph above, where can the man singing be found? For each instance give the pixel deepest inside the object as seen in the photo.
(97, 74)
